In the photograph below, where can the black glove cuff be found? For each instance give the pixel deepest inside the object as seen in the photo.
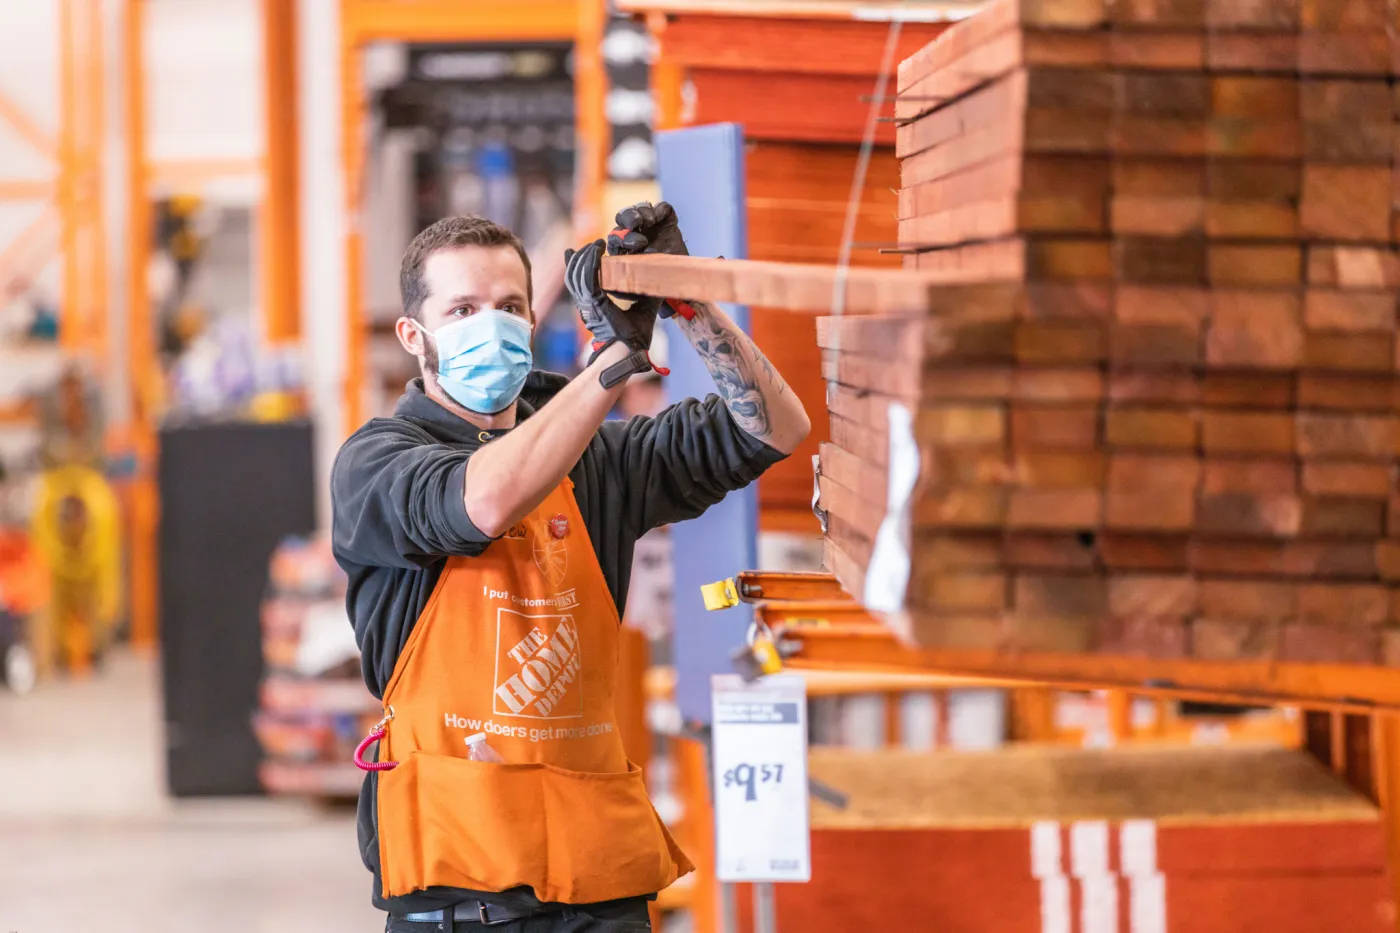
(635, 362)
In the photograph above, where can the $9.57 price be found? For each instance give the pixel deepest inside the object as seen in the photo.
(750, 776)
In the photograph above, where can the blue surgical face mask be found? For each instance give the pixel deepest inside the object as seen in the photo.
(483, 359)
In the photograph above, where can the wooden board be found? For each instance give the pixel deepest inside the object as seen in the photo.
(1019, 785)
(793, 44)
(797, 196)
(790, 286)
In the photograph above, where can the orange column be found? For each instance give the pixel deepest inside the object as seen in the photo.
(83, 325)
(352, 104)
(93, 205)
(1120, 716)
(667, 79)
(1385, 738)
(591, 124)
(140, 350)
(70, 323)
(279, 224)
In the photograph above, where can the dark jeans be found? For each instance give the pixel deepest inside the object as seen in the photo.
(628, 916)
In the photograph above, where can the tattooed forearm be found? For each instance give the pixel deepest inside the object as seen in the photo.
(757, 397)
(734, 374)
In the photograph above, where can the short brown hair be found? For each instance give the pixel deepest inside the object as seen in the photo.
(468, 230)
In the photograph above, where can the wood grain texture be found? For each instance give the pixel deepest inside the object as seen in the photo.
(789, 286)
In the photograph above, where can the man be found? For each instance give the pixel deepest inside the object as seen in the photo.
(487, 530)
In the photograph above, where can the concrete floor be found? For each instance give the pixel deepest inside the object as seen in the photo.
(90, 842)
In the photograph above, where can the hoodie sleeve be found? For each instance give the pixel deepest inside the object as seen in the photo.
(676, 465)
(397, 499)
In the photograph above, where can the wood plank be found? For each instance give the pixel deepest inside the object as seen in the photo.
(801, 172)
(994, 19)
(1346, 202)
(1355, 53)
(1028, 176)
(778, 106)
(998, 57)
(749, 43)
(945, 289)
(790, 286)
(1263, 53)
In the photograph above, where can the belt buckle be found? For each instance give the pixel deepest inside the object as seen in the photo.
(484, 916)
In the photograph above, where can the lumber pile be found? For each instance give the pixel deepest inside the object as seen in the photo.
(761, 65)
(1159, 415)
(1189, 840)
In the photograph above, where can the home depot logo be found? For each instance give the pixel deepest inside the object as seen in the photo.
(537, 666)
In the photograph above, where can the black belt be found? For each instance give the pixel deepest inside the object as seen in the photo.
(478, 912)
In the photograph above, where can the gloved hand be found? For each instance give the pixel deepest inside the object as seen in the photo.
(644, 228)
(605, 320)
(648, 228)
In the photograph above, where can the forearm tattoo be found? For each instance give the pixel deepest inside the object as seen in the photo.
(738, 368)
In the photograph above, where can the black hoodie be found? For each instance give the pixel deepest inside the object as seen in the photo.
(398, 514)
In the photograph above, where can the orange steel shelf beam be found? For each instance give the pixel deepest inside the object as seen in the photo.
(453, 21)
(141, 339)
(590, 120)
(871, 647)
(667, 75)
(31, 132)
(15, 258)
(26, 189)
(840, 635)
(93, 204)
(174, 173)
(83, 322)
(1385, 757)
(70, 323)
(365, 21)
(905, 10)
(279, 224)
(767, 585)
(352, 123)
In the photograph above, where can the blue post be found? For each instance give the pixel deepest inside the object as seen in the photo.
(701, 170)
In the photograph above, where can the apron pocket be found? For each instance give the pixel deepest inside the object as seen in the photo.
(461, 823)
(573, 837)
(605, 840)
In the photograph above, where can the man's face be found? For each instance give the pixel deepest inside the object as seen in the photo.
(463, 280)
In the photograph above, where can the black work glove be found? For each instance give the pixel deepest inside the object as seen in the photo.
(648, 228)
(605, 320)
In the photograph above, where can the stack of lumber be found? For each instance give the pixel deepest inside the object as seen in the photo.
(1157, 414)
(762, 65)
(1029, 838)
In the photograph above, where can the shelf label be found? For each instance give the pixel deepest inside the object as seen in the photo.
(759, 754)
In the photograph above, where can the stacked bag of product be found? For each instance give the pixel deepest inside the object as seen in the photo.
(1155, 410)
(313, 705)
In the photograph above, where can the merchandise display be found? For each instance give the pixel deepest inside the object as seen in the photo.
(313, 706)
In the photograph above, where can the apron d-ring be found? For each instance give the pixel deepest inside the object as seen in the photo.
(375, 734)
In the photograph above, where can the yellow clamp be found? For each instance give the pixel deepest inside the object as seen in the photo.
(765, 652)
(720, 595)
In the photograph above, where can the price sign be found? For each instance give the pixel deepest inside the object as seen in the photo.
(760, 762)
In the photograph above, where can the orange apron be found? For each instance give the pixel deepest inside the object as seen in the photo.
(519, 642)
